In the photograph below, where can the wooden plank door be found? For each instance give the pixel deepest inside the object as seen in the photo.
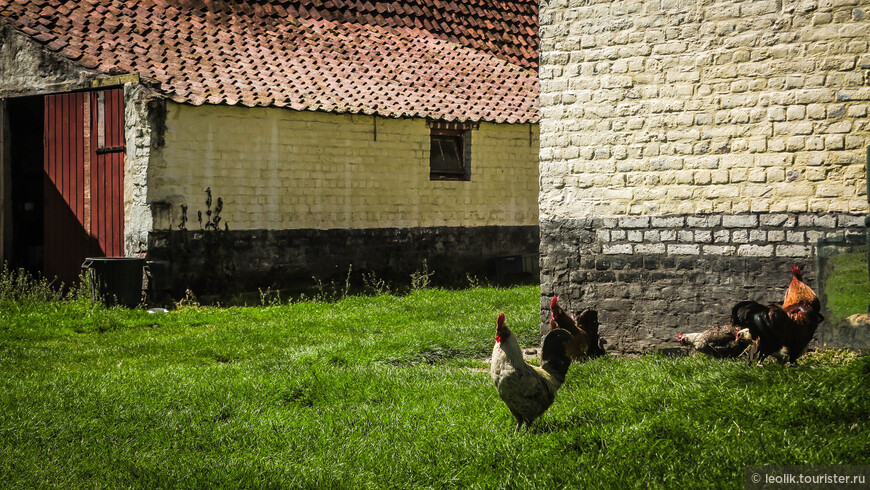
(107, 174)
(84, 163)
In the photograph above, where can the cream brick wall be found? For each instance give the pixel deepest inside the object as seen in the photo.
(283, 169)
(657, 107)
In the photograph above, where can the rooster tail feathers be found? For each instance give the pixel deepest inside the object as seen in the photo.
(588, 321)
(761, 320)
(743, 312)
(554, 353)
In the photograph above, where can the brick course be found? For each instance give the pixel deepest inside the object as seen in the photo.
(219, 265)
(740, 106)
(281, 169)
(692, 151)
(647, 292)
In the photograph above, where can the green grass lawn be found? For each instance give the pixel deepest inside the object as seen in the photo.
(847, 289)
(387, 392)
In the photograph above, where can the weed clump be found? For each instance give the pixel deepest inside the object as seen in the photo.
(422, 278)
(77, 307)
(21, 287)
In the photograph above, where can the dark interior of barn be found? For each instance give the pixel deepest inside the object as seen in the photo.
(26, 156)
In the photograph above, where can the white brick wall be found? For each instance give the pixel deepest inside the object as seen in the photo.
(282, 169)
(658, 107)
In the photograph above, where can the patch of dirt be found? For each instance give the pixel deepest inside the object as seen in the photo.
(529, 353)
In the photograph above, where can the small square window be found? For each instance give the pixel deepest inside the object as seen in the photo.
(449, 154)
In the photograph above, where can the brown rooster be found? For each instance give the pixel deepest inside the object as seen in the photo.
(724, 342)
(798, 291)
(527, 390)
(560, 319)
(587, 321)
(789, 327)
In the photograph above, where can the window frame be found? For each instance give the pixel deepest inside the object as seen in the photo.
(460, 133)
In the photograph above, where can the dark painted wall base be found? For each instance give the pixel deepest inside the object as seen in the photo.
(225, 263)
(652, 277)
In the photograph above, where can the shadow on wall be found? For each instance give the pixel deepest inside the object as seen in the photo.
(219, 264)
(182, 268)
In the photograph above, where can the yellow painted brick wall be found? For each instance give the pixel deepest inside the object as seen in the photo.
(283, 169)
(657, 107)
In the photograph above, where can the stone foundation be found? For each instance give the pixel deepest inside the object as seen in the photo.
(226, 263)
(653, 276)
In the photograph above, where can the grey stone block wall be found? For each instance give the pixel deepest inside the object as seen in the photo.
(226, 263)
(692, 151)
(653, 276)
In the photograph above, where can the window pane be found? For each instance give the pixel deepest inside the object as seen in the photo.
(446, 154)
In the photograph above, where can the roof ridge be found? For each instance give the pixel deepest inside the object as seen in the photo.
(257, 53)
(502, 28)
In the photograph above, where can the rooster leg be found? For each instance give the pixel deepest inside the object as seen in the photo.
(753, 351)
(762, 351)
(519, 417)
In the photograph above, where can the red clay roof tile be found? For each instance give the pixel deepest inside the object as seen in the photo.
(395, 59)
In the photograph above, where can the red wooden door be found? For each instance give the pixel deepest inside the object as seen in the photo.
(84, 168)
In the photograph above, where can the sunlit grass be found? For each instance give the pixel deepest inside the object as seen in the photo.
(387, 392)
(848, 287)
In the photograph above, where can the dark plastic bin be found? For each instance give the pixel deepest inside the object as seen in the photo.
(118, 280)
(507, 265)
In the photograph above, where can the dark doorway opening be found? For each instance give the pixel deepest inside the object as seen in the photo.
(26, 125)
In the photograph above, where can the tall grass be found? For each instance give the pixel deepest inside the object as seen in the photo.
(34, 306)
(18, 286)
(387, 391)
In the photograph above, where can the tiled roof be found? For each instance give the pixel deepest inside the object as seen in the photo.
(507, 29)
(441, 59)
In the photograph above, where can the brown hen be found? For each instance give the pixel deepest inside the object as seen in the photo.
(560, 319)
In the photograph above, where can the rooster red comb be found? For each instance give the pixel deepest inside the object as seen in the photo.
(553, 306)
(499, 328)
(679, 336)
(797, 272)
